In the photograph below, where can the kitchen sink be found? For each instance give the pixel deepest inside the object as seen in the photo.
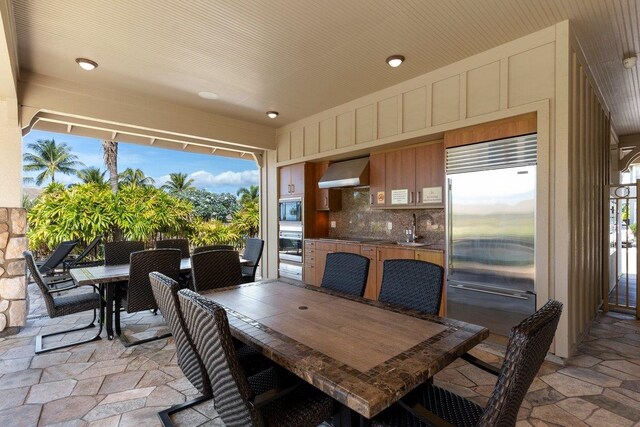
(413, 244)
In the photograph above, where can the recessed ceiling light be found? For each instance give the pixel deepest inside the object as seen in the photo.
(395, 60)
(272, 114)
(87, 64)
(208, 95)
(629, 62)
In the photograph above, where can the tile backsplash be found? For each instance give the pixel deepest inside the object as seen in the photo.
(357, 219)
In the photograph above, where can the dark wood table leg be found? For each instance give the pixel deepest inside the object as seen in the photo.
(109, 316)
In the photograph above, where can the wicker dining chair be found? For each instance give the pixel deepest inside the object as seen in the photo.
(346, 272)
(431, 405)
(265, 399)
(137, 295)
(165, 291)
(212, 248)
(58, 305)
(116, 253)
(182, 244)
(252, 252)
(412, 284)
(215, 269)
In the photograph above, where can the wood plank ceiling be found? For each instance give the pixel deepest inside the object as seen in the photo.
(303, 56)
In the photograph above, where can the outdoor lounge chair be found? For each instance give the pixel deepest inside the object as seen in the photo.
(269, 398)
(77, 262)
(431, 405)
(63, 305)
(48, 266)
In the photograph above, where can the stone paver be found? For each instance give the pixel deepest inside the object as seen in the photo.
(105, 384)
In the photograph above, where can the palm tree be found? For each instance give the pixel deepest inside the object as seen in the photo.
(92, 175)
(136, 178)
(250, 195)
(110, 155)
(49, 157)
(178, 182)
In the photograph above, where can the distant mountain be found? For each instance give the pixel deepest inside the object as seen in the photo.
(32, 192)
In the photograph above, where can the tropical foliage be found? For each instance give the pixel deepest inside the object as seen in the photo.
(249, 195)
(50, 158)
(93, 175)
(89, 210)
(208, 205)
(135, 178)
(178, 182)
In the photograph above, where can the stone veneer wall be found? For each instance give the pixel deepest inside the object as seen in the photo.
(13, 289)
(357, 219)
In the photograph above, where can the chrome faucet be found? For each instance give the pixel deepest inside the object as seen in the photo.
(411, 232)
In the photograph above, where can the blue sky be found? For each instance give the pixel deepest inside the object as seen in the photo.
(213, 173)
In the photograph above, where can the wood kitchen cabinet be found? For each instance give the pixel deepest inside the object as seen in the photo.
(326, 199)
(410, 169)
(401, 175)
(292, 180)
(371, 290)
(377, 169)
(322, 249)
(310, 263)
(429, 172)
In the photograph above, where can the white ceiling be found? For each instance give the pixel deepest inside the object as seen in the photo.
(300, 57)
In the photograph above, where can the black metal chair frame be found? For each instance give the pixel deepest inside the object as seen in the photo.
(49, 300)
(118, 291)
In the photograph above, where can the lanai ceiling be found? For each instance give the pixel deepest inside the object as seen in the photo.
(300, 57)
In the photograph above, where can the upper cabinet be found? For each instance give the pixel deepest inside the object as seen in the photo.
(292, 180)
(326, 199)
(377, 169)
(430, 176)
(408, 177)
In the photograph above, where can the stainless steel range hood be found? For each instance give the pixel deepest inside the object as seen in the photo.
(350, 173)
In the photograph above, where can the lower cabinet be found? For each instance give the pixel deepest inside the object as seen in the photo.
(315, 258)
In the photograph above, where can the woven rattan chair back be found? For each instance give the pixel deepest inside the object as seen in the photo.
(215, 269)
(528, 345)
(59, 254)
(165, 290)
(212, 248)
(139, 295)
(412, 284)
(346, 272)
(44, 289)
(182, 244)
(252, 252)
(116, 253)
(207, 323)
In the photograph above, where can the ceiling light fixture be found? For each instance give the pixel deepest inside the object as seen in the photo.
(395, 60)
(87, 64)
(630, 61)
(272, 114)
(208, 95)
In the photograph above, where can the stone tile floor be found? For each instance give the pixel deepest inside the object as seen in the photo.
(104, 384)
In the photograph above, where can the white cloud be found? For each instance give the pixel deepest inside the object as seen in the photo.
(228, 178)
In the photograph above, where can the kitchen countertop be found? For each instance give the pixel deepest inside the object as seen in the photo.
(379, 242)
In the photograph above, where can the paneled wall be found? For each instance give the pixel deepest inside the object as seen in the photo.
(540, 73)
(589, 140)
(512, 75)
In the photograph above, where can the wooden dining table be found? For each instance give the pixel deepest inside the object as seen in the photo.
(364, 354)
(106, 277)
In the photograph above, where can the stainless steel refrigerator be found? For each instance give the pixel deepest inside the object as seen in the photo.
(491, 232)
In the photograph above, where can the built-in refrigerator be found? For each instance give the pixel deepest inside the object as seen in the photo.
(491, 232)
